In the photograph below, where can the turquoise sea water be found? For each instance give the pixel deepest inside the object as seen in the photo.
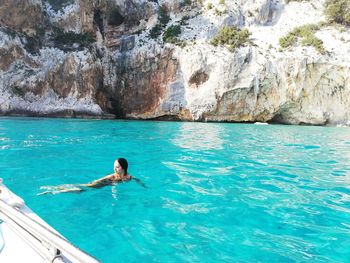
(215, 192)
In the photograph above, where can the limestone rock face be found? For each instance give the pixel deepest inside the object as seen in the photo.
(21, 15)
(52, 84)
(289, 91)
(143, 82)
(260, 12)
(112, 58)
(114, 19)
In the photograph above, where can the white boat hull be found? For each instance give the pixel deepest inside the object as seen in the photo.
(25, 237)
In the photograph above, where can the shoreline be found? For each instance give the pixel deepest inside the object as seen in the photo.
(69, 114)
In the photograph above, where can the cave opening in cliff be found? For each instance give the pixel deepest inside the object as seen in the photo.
(278, 119)
(114, 18)
(116, 108)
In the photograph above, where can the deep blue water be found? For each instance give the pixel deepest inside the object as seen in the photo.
(215, 192)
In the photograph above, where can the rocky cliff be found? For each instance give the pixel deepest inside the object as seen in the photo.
(155, 60)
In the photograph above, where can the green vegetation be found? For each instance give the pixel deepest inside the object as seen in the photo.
(221, 2)
(59, 4)
(184, 20)
(156, 31)
(219, 12)
(288, 1)
(171, 33)
(8, 31)
(288, 41)
(307, 35)
(338, 11)
(209, 6)
(17, 91)
(69, 41)
(231, 37)
(186, 3)
(33, 43)
(164, 18)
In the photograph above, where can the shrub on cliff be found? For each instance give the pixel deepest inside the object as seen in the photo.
(231, 37)
(338, 11)
(171, 33)
(163, 19)
(307, 36)
(69, 41)
(33, 43)
(288, 1)
(186, 3)
(59, 4)
(17, 91)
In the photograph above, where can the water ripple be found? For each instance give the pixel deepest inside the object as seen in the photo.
(215, 192)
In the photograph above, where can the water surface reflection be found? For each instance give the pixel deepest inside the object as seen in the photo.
(199, 136)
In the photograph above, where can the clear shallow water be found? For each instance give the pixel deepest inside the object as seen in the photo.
(216, 192)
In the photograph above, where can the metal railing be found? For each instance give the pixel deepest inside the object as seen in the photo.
(48, 244)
